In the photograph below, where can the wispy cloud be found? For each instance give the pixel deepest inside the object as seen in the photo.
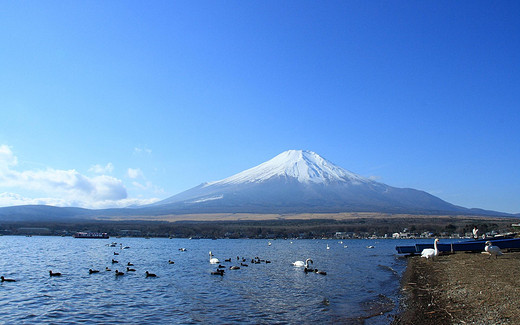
(62, 187)
(134, 173)
(139, 150)
(98, 169)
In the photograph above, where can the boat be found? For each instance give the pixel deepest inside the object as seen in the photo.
(463, 246)
(98, 235)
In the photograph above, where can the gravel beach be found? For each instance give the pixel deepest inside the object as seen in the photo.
(462, 288)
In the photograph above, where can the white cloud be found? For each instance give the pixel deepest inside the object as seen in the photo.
(63, 187)
(138, 151)
(134, 173)
(7, 158)
(98, 169)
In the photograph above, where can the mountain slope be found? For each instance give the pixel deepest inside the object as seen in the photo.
(302, 181)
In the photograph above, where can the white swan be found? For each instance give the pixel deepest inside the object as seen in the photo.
(213, 260)
(492, 250)
(302, 263)
(307, 268)
(431, 252)
(299, 263)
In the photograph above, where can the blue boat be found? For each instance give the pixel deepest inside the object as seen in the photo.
(463, 246)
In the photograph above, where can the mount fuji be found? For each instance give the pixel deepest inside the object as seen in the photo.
(298, 181)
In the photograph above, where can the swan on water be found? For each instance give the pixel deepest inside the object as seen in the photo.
(307, 267)
(431, 252)
(492, 250)
(213, 260)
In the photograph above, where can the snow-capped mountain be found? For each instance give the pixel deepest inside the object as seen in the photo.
(302, 181)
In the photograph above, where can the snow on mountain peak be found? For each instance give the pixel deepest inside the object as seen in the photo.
(305, 166)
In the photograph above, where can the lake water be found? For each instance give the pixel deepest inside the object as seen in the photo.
(360, 282)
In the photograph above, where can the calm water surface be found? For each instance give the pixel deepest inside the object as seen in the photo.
(359, 284)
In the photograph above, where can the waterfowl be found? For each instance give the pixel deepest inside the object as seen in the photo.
(107, 269)
(119, 273)
(213, 260)
(171, 262)
(150, 275)
(267, 261)
(492, 250)
(7, 280)
(234, 267)
(90, 271)
(227, 260)
(129, 264)
(54, 273)
(429, 252)
(221, 266)
(182, 249)
(307, 267)
(218, 272)
(243, 264)
(298, 263)
(114, 261)
(130, 270)
(116, 253)
(320, 272)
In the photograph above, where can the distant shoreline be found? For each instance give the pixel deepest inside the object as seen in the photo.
(343, 226)
(461, 288)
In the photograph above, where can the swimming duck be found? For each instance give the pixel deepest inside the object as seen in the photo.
(90, 271)
(150, 275)
(130, 270)
(119, 273)
(54, 273)
(7, 280)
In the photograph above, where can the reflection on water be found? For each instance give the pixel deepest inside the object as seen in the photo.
(360, 285)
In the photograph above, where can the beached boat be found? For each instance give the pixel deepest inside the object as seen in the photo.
(98, 235)
(463, 246)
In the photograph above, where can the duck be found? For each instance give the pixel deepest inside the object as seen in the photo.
(116, 253)
(227, 260)
(54, 273)
(182, 249)
(429, 252)
(218, 272)
(107, 269)
(171, 262)
(7, 280)
(320, 272)
(129, 264)
(221, 266)
(234, 267)
(90, 271)
(243, 264)
(129, 269)
(150, 275)
(119, 273)
(492, 250)
(114, 261)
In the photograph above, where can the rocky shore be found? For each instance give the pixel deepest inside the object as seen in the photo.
(462, 288)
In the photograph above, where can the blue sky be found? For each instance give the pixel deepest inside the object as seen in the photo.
(110, 103)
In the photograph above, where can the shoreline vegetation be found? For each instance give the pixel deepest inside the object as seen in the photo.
(305, 226)
(461, 288)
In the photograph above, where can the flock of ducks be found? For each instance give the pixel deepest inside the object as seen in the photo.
(212, 260)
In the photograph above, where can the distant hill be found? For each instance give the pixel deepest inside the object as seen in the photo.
(294, 181)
